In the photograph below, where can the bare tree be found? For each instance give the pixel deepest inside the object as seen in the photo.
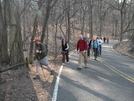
(16, 49)
(90, 9)
(3, 39)
(49, 5)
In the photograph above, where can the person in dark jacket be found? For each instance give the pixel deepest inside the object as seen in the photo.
(104, 39)
(89, 47)
(82, 50)
(65, 51)
(41, 57)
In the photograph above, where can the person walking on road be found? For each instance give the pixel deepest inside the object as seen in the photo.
(89, 47)
(104, 39)
(107, 40)
(95, 48)
(41, 57)
(100, 46)
(65, 51)
(82, 50)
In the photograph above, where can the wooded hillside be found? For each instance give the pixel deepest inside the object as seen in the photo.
(50, 20)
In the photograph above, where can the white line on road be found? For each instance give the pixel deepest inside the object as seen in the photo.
(55, 92)
(54, 98)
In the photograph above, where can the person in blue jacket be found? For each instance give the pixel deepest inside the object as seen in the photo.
(95, 48)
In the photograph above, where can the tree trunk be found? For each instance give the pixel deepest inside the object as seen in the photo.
(3, 40)
(32, 38)
(122, 19)
(24, 28)
(121, 28)
(91, 19)
(68, 30)
(83, 23)
(16, 50)
(116, 27)
(55, 41)
(100, 17)
(113, 23)
(48, 9)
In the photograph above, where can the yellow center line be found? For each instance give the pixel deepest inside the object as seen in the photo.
(122, 74)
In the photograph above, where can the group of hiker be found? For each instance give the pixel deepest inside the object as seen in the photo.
(84, 47)
(106, 40)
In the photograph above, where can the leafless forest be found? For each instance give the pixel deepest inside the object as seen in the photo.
(50, 20)
(22, 20)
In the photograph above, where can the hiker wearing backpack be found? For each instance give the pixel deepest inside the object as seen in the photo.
(85, 38)
(82, 50)
(65, 51)
(41, 57)
(95, 48)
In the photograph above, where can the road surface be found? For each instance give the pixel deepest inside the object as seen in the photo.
(109, 78)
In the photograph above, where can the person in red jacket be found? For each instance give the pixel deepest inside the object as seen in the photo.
(82, 50)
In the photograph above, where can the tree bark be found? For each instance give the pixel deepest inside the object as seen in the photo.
(3, 40)
(32, 38)
(83, 22)
(91, 19)
(50, 4)
(16, 50)
(122, 19)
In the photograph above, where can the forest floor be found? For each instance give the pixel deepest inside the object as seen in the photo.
(18, 85)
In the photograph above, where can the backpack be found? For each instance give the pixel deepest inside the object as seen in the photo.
(95, 45)
(88, 42)
(82, 42)
(46, 48)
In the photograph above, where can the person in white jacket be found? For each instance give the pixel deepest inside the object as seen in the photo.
(100, 45)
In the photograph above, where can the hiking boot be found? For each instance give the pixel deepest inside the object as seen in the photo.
(37, 77)
(52, 72)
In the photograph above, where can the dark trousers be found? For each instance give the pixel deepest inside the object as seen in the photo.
(100, 48)
(65, 55)
(88, 52)
(95, 52)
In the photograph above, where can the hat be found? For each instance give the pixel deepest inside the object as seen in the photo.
(36, 39)
(63, 39)
(84, 38)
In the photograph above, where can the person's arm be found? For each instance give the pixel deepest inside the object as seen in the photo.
(67, 47)
(101, 41)
(85, 42)
(77, 45)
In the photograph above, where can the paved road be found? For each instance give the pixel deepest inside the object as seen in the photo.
(110, 78)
